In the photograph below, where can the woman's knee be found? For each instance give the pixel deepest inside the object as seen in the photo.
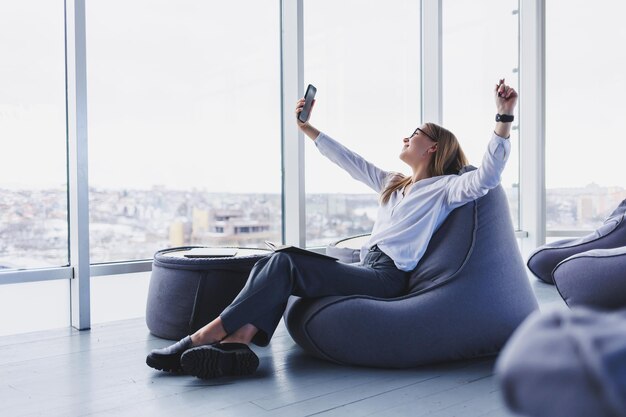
(280, 267)
(281, 259)
(271, 266)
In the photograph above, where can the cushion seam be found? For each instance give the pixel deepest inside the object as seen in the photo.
(575, 246)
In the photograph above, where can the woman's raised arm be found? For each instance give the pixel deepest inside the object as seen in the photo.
(358, 167)
(475, 184)
(506, 99)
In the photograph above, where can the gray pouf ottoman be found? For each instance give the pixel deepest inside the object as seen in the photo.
(467, 295)
(612, 234)
(568, 363)
(187, 293)
(596, 279)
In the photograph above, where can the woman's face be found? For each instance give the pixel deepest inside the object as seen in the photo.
(418, 146)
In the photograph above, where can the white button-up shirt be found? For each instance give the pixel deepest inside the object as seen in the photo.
(406, 223)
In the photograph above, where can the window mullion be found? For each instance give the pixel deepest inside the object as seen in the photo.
(431, 65)
(78, 189)
(292, 79)
(532, 123)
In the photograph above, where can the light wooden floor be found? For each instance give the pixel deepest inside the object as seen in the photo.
(102, 372)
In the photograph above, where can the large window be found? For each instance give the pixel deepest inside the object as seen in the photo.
(184, 125)
(33, 179)
(480, 46)
(585, 112)
(364, 59)
(33, 163)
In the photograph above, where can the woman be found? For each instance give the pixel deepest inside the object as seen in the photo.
(411, 209)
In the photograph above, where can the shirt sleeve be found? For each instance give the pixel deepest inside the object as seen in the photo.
(354, 164)
(474, 184)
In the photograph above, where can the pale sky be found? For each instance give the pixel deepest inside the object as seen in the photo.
(186, 93)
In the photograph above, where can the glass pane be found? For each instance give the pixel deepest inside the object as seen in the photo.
(33, 179)
(480, 46)
(127, 292)
(34, 306)
(366, 67)
(585, 108)
(184, 125)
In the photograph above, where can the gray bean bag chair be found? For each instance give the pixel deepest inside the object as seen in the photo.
(611, 234)
(464, 299)
(569, 363)
(596, 278)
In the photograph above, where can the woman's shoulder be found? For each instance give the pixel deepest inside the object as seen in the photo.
(441, 179)
(441, 182)
(433, 184)
(393, 178)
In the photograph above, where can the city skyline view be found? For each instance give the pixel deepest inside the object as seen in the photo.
(133, 224)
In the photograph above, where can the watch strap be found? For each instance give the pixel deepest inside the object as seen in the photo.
(504, 118)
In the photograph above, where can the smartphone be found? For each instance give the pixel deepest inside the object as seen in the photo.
(308, 102)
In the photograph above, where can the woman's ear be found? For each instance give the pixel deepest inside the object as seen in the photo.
(431, 149)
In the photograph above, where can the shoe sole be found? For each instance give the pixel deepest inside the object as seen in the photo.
(152, 363)
(207, 362)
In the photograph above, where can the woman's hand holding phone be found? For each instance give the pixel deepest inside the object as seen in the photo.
(299, 107)
(304, 106)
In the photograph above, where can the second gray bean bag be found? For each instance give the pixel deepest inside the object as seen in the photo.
(611, 234)
(566, 364)
(464, 299)
(596, 278)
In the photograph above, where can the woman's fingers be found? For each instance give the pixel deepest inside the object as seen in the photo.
(507, 92)
(299, 105)
(499, 86)
(503, 90)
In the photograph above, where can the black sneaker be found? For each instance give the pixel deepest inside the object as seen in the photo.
(219, 359)
(168, 358)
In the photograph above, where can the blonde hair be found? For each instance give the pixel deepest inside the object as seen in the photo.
(448, 159)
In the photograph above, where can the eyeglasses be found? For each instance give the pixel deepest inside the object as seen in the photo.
(427, 135)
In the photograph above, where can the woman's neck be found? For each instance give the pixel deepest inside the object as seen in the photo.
(419, 173)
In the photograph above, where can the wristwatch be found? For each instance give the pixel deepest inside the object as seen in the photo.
(504, 118)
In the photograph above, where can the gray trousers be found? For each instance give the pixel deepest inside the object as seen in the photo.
(274, 278)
